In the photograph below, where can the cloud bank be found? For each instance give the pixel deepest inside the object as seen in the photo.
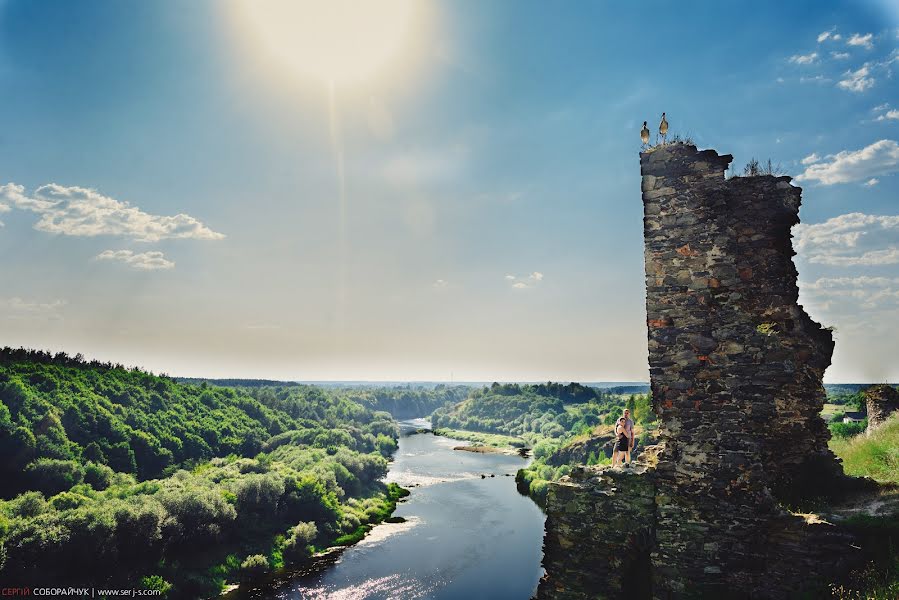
(83, 212)
(880, 158)
(850, 240)
(142, 261)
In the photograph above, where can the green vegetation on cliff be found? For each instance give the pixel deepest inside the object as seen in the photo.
(176, 484)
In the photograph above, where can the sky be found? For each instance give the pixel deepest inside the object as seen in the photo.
(430, 191)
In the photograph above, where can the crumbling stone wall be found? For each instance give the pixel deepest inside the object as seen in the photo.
(593, 544)
(735, 369)
(882, 401)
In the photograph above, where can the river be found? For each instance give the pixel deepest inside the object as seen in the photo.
(465, 536)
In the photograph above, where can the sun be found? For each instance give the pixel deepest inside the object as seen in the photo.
(336, 41)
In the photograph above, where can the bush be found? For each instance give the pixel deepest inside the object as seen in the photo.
(51, 475)
(27, 505)
(299, 544)
(259, 494)
(544, 449)
(253, 566)
(97, 476)
(67, 501)
(155, 582)
(847, 430)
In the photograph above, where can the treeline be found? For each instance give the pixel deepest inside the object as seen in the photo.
(534, 411)
(409, 401)
(113, 475)
(57, 417)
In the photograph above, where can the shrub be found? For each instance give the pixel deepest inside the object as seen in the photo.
(754, 168)
(847, 430)
(253, 566)
(155, 582)
(51, 475)
(259, 493)
(538, 489)
(544, 449)
(299, 544)
(29, 504)
(67, 501)
(97, 476)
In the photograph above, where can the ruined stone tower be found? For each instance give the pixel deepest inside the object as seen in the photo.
(735, 369)
(882, 401)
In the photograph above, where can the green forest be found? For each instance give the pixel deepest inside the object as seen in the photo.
(563, 424)
(183, 487)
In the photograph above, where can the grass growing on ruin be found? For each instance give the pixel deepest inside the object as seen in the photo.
(875, 456)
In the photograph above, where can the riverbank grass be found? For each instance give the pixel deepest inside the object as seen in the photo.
(495, 440)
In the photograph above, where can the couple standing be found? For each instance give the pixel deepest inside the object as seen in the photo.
(624, 431)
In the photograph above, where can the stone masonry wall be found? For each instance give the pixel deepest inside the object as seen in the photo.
(735, 369)
(882, 401)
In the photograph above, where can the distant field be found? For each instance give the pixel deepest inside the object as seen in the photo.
(830, 410)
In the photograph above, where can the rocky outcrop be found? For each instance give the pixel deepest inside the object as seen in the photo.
(882, 401)
(598, 444)
(735, 370)
(591, 529)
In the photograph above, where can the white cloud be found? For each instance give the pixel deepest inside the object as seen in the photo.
(527, 281)
(848, 294)
(854, 239)
(880, 158)
(440, 283)
(839, 55)
(78, 211)
(830, 34)
(861, 40)
(871, 182)
(804, 59)
(857, 81)
(881, 107)
(892, 115)
(815, 79)
(143, 261)
(18, 308)
(811, 158)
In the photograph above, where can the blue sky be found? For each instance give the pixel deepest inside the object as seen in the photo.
(491, 223)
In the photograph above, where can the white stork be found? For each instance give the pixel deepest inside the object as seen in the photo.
(663, 129)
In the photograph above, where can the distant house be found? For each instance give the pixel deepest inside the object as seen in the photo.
(854, 417)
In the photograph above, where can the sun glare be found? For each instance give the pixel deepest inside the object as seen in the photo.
(336, 41)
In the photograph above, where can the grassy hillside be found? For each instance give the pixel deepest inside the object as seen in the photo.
(114, 476)
(875, 456)
(534, 412)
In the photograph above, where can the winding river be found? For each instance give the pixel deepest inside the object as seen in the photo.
(465, 536)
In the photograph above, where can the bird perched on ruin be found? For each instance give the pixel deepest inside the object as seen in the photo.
(663, 129)
(644, 135)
